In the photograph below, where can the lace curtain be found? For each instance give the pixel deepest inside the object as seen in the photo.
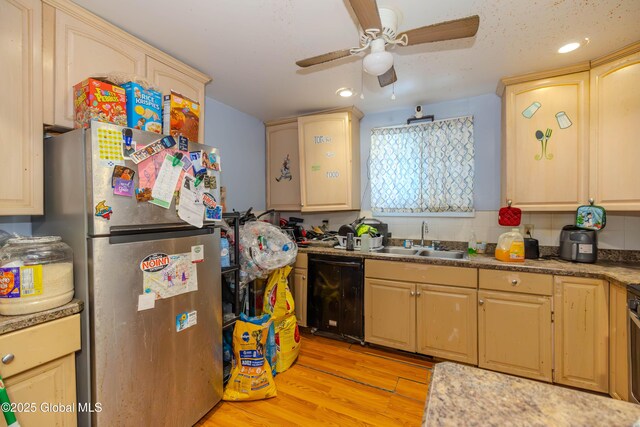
(426, 167)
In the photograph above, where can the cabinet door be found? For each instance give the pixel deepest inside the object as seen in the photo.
(86, 49)
(326, 162)
(447, 322)
(283, 167)
(48, 384)
(582, 333)
(390, 313)
(615, 106)
(168, 78)
(514, 334)
(21, 112)
(618, 343)
(546, 143)
(298, 286)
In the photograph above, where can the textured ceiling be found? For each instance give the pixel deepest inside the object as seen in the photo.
(249, 47)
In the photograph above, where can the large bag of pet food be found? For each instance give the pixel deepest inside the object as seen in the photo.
(287, 341)
(278, 300)
(271, 352)
(251, 377)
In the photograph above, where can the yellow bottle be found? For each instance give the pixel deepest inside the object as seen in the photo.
(510, 247)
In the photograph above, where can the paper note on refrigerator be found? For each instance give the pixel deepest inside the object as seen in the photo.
(178, 277)
(165, 183)
(190, 206)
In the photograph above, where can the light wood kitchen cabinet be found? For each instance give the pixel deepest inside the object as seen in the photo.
(329, 150)
(190, 84)
(447, 322)
(615, 108)
(298, 286)
(43, 370)
(581, 332)
(390, 313)
(546, 131)
(21, 190)
(618, 343)
(85, 49)
(514, 334)
(283, 167)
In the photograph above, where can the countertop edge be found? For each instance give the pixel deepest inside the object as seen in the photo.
(10, 324)
(617, 273)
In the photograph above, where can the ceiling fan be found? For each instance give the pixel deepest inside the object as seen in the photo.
(379, 29)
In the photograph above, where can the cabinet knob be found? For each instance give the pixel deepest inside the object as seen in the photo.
(514, 282)
(412, 293)
(418, 293)
(480, 301)
(304, 277)
(8, 358)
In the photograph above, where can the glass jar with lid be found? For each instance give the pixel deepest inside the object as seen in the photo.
(36, 274)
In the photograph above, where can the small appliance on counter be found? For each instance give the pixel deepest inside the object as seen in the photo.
(578, 245)
(531, 247)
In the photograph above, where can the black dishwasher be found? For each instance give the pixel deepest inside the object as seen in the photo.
(335, 301)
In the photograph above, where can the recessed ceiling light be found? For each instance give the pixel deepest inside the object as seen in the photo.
(569, 47)
(345, 92)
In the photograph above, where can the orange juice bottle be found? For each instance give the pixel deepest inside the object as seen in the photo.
(510, 247)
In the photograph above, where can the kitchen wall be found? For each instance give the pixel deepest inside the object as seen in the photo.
(241, 140)
(622, 231)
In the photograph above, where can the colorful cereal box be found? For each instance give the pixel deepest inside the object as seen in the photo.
(144, 108)
(181, 116)
(99, 100)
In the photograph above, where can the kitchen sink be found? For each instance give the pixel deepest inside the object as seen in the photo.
(441, 254)
(398, 251)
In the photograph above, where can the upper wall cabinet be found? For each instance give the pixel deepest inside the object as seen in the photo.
(21, 113)
(615, 126)
(168, 78)
(329, 147)
(546, 142)
(283, 167)
(78, 44)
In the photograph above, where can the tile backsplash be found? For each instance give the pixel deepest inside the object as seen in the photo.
(621, 232)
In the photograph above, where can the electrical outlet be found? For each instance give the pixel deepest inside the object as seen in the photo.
(528, 229)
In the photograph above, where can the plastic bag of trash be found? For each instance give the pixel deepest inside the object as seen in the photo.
(263, 248)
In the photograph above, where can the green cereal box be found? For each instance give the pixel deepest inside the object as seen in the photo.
(144, 108)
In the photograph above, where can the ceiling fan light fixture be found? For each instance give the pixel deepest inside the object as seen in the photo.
(377, 63)
(345, 92)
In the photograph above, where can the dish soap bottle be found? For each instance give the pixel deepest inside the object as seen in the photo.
(510, 247)
(472, 249)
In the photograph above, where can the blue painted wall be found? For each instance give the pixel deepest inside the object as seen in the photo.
(241, 140)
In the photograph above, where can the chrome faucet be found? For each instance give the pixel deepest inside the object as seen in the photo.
(425, 226)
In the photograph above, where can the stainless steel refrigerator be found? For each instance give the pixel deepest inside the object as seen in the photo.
(158, 366)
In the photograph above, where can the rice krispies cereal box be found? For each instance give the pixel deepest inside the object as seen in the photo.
(181, 116)
(99, 100)
(144, 108)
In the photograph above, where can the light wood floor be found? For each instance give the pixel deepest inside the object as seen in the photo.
(336, 383)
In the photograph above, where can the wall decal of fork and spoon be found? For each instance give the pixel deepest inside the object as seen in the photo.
(544, 139)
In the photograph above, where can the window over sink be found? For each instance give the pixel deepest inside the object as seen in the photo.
(423, 168)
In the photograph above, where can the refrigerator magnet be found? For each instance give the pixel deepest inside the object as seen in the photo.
(197, 253)
(124, 187)
(103, 210)
(183, 143)
(186, 320)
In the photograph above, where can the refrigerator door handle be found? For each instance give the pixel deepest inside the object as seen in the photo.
(159, 235)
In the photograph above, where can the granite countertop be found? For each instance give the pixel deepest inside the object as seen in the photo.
(618, 273)
(464, 395)
(14, 323)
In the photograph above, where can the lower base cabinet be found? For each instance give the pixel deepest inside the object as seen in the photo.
(390, 313)
(618, 343)
(447, 322)
(298, 287)
(514, 334)
(581, 333)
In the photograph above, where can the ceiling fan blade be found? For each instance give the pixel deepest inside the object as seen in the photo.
(387, 78)
(448, 30)
(323, 58)
(367, 13)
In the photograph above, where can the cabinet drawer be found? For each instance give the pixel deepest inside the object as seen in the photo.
(514, 281)
(423, 273)
(301, 261)
(40, 344)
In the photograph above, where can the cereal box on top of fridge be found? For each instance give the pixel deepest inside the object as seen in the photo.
(144, 108)
(99, 100)
(181, 116)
